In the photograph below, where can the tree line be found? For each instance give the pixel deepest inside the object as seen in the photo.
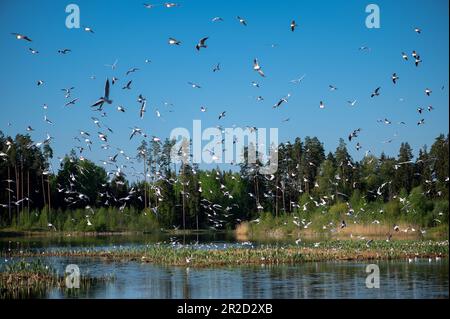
(307, 180)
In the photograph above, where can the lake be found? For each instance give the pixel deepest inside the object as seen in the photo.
(421, 278)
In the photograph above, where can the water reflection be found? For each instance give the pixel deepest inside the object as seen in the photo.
(398, 279)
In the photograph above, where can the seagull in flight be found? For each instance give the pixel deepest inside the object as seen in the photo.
(72, 102)
(394, 78)
(257, 67)
(112, 66)
(321, 105)
(173, 41)
(216, 68)
(33, 51)
(297, 81)
(404, 56)
(128, 86)
(221, 115)
(293, 25)
(201, 44)
(376, 92)
(332, 87)
(352, 103)
(217, 19)
(242, 21)
(88, 29)
(64, 51)
(194, 85)
(284, 99)
(104, 99)
(21, 37)
(132, 70)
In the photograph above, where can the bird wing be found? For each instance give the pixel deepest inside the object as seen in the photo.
(107, 89)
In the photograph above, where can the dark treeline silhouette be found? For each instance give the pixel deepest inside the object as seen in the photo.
(182, 195)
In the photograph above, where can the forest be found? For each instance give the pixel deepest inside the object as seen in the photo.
(310, 184)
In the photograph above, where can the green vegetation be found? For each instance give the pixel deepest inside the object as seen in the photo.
(268, 254)
(315, 187)
(23, 279)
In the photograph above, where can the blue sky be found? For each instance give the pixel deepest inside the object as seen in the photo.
(324, 47)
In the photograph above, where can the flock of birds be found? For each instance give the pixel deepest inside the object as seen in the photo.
(217, 215)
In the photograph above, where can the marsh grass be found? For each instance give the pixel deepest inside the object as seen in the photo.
(180, 255)
(34, 279)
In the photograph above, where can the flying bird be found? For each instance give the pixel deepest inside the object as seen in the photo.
(293, 25)
(104, 99)
(173, 41)
(242, 21)
(394, 78)
(127, 86)
(21, 37)
(376, 92)
(201, 44)
(257, 67)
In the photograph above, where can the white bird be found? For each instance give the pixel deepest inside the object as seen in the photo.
(242, 21)
(173, 41)
(257, 67)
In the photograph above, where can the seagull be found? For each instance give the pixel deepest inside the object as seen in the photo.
(297, 81)
(420, 109)
(88, 29)
(40, 82)
(242, 21)
(194, 85)
(430, 108)
(417, 60)
(149, 6)
(216, 67)
(201, 44)
(105, 98)
(21, 37)
(421, 122)
(417, 30)
(203, 108)
(428, 92)
(376, 92)
(170, 5)
(128, 86)
(46, 119)
(131, 70)
(394, 78)
(221, 115)
(120, 109)
(257, 67)
(68, 91)
(284, 99)
(217, 19)
(293, 25)
(142, 109)
(321, 105)
(173, 41)
(332, 87)
(112, 66)
(352, 103)
(33, 51)
(404, 56)
(64, 51)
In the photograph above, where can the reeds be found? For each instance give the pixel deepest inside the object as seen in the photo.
(35, 279)
(210, 255)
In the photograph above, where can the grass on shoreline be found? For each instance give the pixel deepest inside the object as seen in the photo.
(180, 255)
(34, 279)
